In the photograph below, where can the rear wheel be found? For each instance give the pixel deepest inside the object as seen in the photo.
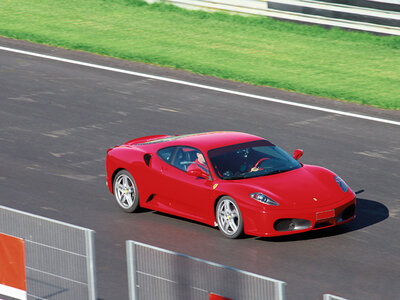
(229, 218)
(125, 191)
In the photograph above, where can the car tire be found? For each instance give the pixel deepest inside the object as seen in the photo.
(229, 218)
(125, 191)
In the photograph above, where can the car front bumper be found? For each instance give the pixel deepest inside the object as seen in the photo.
(284, 222)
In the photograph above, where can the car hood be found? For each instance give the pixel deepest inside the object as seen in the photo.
(306, 187)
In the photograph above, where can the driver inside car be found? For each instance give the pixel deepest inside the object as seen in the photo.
(200, 162)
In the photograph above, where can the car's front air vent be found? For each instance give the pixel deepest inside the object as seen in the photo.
(291, 224)
(347, 213)
(147, 158)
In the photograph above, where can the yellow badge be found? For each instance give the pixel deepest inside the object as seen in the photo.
(215, 186)
(315, 199)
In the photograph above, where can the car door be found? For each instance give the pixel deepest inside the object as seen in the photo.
(159, 200)
(189, 196)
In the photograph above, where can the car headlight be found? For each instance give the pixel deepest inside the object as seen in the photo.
(264, 199)
(341, 183)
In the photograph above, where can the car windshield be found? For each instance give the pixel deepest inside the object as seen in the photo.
(252, 159)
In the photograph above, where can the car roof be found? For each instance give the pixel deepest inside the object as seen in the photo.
(206, 140)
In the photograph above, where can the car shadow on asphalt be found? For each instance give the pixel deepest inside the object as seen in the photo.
(141, 210)
(368, 213)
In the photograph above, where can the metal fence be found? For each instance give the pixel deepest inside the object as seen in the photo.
(59, 257)
(315, 12)
(332, 297)
(156, 274)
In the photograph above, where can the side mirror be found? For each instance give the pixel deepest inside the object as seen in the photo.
(297, 154)
(197, 172)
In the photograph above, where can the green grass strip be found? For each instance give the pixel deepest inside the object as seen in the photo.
(351, 66)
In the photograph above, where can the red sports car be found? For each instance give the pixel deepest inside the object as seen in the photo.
(236, 181)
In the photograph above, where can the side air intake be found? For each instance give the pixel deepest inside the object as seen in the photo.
(147, 159)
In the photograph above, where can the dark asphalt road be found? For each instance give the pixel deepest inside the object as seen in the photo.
(57, 121)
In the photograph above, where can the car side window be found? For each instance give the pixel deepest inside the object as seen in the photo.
(180, 157)
(184, 157)
(166, 154)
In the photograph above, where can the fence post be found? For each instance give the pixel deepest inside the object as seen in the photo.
(132, 277)
(91, 265)
(280, 293)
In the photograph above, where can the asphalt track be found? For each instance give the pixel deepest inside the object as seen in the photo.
(57, 120)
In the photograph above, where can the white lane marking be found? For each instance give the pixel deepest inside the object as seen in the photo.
(187, 83)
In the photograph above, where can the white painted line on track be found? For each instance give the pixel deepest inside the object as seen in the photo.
(187, 83)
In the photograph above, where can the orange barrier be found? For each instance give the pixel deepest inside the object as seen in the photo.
(217, 297)
(12, 267)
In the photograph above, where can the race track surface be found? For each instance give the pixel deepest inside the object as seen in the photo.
(57, 120)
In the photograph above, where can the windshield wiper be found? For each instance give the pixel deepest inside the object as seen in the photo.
(277, 172)
(240, 176)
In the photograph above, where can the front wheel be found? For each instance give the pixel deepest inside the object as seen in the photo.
(125, 191)
(229, 218)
